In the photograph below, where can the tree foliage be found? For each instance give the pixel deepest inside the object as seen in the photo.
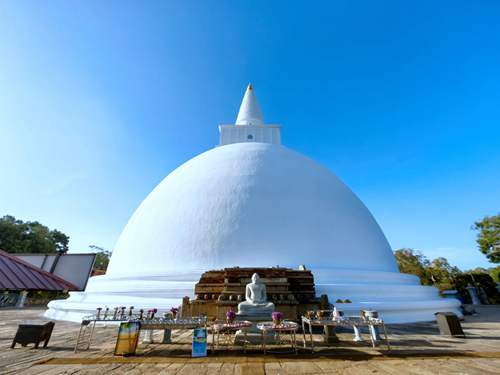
(17, 236)
(480, 280)
(102, 258)
(495, 274)
(489, 233)
(414, 263)
(442, 275)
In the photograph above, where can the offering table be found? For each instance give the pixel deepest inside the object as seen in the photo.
(226, 329)
(285, 328)
(341, 323)
(89, 322)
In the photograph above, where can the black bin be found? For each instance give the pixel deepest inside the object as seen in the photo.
(449, 325)
(29, 333)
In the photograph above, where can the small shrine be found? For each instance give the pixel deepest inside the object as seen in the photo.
(292, 291)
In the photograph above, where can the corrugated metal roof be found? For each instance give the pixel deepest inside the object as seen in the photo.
(16, 274)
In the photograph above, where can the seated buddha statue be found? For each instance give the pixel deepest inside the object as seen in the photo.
(255, 295)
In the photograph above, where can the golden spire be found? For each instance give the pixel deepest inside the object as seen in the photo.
(249, 87)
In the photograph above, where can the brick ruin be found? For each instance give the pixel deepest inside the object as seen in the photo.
(291, 291)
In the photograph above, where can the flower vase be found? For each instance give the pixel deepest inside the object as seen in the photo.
(230, 321)
(174, 314)
(276, 321)
(98, 314)
(363, 312)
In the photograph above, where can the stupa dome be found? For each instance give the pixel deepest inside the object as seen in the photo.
(251, 205)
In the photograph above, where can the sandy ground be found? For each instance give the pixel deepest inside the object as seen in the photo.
(416, 349)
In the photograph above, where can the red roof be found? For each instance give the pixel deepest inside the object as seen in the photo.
(16, 274)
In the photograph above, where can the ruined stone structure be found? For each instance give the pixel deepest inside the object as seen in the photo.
(291, 291)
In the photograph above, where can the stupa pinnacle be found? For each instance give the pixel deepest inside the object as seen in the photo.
(250, 113)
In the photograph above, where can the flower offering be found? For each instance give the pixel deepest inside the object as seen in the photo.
(174, 311)
(232, 325)
(269, 325)
(277, 317)
(230, 315)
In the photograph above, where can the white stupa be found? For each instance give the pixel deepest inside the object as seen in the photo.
(253, 203)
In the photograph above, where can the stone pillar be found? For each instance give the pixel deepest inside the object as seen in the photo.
(329, 335)
(148, 338)
(473, 294)
(184, 308)
(21, 299)
(357, 332)
(324, 304)
(167, 334)
(373, 329)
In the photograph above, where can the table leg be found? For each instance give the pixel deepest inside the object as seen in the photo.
(263, 337)
(295, 342)
(304, 332)
(245, 343)
(77, 340)
(213, 341)
(386, 338)
(371, 336)
(91, 334)
(312, 340)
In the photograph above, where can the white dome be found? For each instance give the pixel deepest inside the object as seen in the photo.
(254, 204)
(251, 204)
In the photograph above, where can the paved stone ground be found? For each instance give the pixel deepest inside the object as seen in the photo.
(416, 349)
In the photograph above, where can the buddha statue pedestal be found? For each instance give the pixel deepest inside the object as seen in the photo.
(254, 309)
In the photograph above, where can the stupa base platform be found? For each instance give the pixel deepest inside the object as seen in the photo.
(398, 298)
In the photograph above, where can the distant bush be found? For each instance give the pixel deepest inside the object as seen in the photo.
(482, 280)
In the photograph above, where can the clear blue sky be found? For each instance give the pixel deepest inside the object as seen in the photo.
(100, 100)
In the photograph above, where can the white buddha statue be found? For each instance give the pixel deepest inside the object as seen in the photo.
(255, 296)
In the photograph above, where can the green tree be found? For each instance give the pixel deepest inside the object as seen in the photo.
(442, 274)
(495, 274)
(478, 280)
(13, 235)
(102, 257)
(414, 263)
(489, 233)
(17, 236)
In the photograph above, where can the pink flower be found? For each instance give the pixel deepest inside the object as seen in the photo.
(277, 315)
